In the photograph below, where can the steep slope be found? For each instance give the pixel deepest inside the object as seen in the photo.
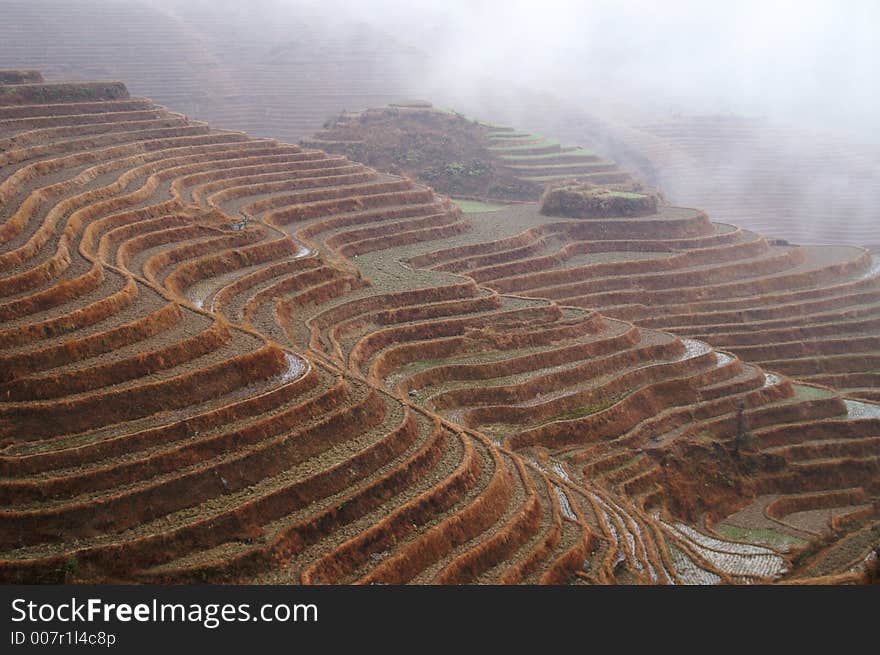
(216, 367)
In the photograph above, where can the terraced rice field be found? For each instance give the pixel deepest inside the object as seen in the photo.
(336, 390)
(804, 311)
(533, 158)
(518, 164)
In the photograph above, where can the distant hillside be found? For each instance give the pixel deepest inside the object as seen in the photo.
(270, 77)
(459, 155)
(804, 185)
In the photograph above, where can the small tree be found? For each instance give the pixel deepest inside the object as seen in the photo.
(743, 439)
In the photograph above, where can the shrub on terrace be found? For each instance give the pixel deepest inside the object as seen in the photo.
(584, 200)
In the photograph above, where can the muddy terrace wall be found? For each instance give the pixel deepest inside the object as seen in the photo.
(44, 420)
(89, 315)
(358, 503)
(127, 509)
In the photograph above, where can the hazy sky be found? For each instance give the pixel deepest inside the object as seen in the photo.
(803, 61)
(816, 60)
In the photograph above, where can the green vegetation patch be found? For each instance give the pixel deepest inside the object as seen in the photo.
(579, 152)
(503, 136)
(526, 146)
(760, 536)
(805, 392)
(595, 408)
(601, 176)
(476, 206)
(625, 194)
